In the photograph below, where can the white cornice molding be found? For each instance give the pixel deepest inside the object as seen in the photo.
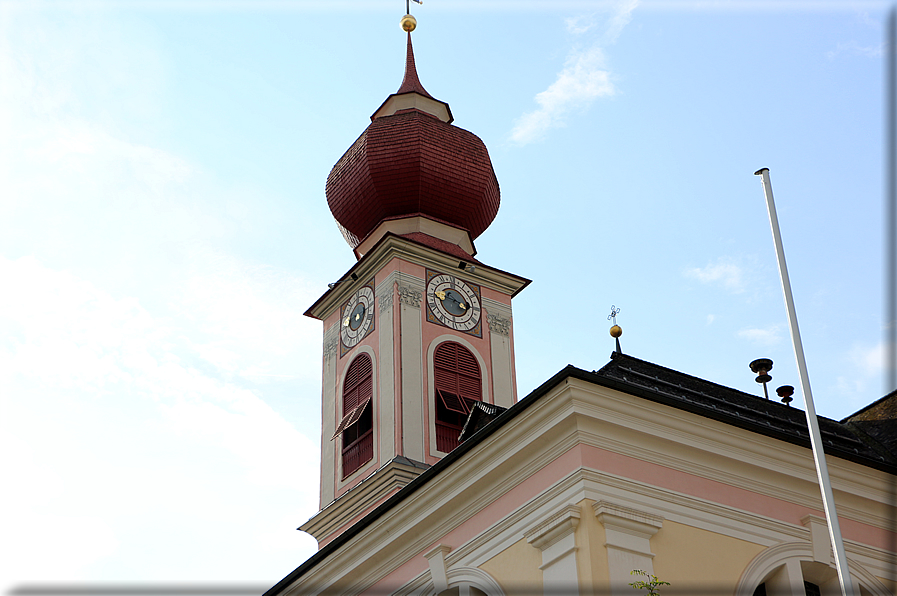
(340, 512)
(701, 442)
(408, 225)
(396, 247)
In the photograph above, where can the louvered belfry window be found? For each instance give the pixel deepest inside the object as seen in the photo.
(357, 426)
(459, 385)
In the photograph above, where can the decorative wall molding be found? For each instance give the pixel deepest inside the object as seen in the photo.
(627, 517)
(499, 325)
(385, 300)
(436, 560)
(330, 345)
(410, 296)
(559, 525)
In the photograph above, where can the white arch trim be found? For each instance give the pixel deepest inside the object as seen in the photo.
(466, 576)
(775, 556)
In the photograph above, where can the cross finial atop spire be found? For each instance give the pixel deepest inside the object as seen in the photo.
(616, 331)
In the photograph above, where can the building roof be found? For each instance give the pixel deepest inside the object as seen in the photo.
(411, 160)
(656, 383)
(737, 408)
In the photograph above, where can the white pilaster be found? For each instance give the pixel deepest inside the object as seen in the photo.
(328, 414)
(628, 535)
(498, 319)
(410, 292)
(556, 538)
(386, 419)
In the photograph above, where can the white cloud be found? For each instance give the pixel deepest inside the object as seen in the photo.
(711, 319)
(580, 24)
(583, 79)
(868, 360)
(724, 272)
(112, 427)
(769, 336)
(855, 49)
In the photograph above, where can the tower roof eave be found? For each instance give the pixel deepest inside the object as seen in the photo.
(404, 100)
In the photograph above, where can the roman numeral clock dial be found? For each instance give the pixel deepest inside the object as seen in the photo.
(357, 318)
(453, 303)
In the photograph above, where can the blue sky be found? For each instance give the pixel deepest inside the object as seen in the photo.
(163, 227)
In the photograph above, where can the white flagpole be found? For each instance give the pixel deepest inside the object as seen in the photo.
(828, 500)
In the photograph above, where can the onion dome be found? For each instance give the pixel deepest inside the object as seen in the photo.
(411, 172)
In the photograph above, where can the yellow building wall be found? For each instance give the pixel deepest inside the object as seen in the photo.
(688, 556)
(591, 558)
(516, 567)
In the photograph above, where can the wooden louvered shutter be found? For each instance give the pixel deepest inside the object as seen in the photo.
(356, 425)
(358, 390)
(458, 384)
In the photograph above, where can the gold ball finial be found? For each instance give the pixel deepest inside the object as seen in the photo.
(616, 331)
(409, 23)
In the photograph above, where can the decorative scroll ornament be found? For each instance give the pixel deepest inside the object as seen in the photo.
(385, 301)
(410, 296)
(330, 348)
(499, 325)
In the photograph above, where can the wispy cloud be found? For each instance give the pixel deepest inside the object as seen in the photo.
(584, 78)
(769, 336)
(723, 272)
(855, 49)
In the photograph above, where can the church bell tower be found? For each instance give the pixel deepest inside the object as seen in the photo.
(418, 330)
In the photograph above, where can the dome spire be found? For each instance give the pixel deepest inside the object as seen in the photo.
(411, 83)
(411, 94)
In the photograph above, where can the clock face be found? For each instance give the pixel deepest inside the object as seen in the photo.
(357, 318)
(453, 303)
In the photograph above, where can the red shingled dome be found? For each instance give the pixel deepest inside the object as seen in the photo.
(410, 163)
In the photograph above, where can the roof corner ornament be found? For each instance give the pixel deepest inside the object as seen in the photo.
(616, 331)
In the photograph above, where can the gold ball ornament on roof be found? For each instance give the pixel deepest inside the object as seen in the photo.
(616, 331)
(409, 23)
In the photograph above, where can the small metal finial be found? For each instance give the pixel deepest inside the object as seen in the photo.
(762, 366)
(616, 331)
(785, 392)
(409, 23)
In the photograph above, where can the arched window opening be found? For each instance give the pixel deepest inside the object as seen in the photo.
(810, 589)
(357, 425)
(458, 385)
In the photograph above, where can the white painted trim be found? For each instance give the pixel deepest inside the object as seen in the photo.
(436, 560)
(404, 101)
(409, 225)
(765, 563)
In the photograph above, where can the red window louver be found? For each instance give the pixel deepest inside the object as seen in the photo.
(356, 425)
(458, 384)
